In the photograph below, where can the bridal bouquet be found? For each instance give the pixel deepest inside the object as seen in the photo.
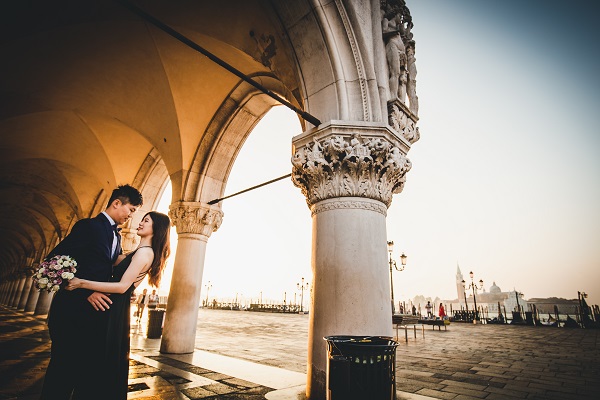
(54, 272)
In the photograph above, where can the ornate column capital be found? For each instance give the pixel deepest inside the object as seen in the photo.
(350, 160)
(195, 217)
(129, 238)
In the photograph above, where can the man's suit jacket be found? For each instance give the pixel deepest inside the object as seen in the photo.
(90, 244)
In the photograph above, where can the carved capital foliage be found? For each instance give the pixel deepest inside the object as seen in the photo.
(403, 121)
(192, 217)
(349, 165)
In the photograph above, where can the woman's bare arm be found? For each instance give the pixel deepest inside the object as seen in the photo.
(140, 262)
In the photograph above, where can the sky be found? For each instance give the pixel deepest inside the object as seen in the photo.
(505, 179)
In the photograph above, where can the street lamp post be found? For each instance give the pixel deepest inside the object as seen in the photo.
(207, 286)
(302, 287)
(473, 286)
(393, 264)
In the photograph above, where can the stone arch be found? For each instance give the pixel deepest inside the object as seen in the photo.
(224, 137)
(120, 101)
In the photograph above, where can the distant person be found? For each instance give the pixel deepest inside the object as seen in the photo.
(401, 309)
(143, 299)
(428, 308)
(152, 300)
(442, 311)
(414, 310)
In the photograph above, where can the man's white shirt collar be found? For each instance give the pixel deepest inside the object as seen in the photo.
(112, 221)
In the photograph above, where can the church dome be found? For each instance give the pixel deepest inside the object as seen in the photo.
(495, 289)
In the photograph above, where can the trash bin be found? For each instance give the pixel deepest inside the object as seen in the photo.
(361, 367)
(155, 320)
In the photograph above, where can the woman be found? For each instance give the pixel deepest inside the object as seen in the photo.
(148, 259)
(442, 311)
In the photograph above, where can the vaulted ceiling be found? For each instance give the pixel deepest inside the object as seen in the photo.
(89, 91)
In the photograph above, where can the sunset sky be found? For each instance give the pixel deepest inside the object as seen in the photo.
(505, 179)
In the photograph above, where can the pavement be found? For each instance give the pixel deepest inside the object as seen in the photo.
(249, 355)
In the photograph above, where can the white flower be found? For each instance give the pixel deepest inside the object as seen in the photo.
(41, 270)
(43, 281)
(55, 288)
(67, 275)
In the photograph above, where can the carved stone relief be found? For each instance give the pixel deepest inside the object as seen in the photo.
(349, 166)
(396, 24)
(265, 44)
(403, 121)
(191, 217)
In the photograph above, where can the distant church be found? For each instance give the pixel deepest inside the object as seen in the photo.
(490, 302)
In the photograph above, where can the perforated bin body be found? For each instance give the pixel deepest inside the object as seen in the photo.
(361, 367)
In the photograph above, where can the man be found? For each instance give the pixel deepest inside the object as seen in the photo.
(152, 300)
(77, 328)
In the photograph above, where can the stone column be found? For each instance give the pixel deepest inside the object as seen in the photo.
(32, 300)
(25, 292)
(348, 173)
(5, 290)
(195, 223)
(9, 288)
(17, 295)
(13, 286)
(43, 304)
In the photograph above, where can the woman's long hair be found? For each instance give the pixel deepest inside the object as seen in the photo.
(161, 246)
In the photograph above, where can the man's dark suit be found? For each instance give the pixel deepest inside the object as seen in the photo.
(78, 332)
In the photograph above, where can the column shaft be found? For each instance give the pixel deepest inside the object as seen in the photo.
(179, 333)
(11, 292)
(43, 304)
(25, 293)
(17, 294)
(351, 289)
(32, 300)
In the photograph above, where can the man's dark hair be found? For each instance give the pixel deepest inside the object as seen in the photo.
(127, 194)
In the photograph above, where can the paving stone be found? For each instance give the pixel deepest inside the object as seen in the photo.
(480, 394)
(240, 383)
(436, 394)
(220, 388)
(198, 393)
